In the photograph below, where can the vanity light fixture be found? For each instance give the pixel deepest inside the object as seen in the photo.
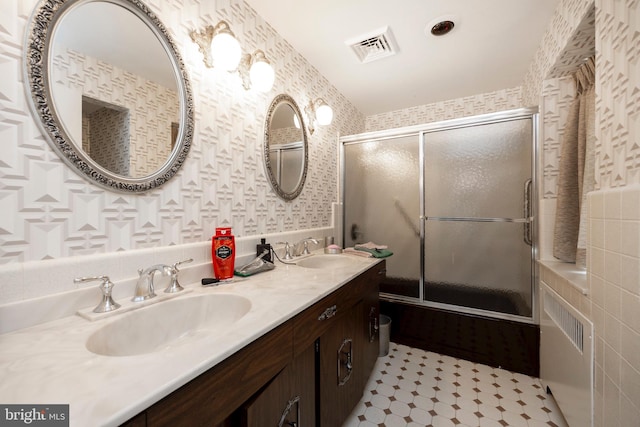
(256, 71)
(219, 46)
(318, 112)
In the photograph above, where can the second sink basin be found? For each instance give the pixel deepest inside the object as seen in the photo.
(167, 323)
(326, 261)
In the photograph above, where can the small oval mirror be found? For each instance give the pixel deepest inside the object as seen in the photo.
(285, 147)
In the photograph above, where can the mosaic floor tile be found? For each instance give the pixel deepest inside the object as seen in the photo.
(412, 387)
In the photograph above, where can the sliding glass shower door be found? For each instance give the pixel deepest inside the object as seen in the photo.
(382, 200)
(477, 199)
(454, 202)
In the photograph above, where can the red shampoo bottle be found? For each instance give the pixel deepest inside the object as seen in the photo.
(223, 253)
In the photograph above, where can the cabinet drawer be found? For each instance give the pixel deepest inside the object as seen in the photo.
(314, 321)
(317, 319)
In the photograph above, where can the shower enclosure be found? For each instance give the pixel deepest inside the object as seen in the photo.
(454, 201)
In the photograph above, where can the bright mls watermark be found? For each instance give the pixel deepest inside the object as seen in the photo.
(34, 415)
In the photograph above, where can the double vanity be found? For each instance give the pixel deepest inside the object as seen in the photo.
(291, 346)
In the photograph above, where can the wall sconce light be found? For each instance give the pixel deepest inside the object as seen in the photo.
(256, 71)
(318, 112)
(219, 46)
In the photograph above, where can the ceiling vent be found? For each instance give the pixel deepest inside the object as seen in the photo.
(374, 45)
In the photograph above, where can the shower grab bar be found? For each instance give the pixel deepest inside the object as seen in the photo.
(528, 238)
(477, 219)
(407, 218)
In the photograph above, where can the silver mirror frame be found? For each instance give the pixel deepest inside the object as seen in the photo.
(36, 70)
(277, 101)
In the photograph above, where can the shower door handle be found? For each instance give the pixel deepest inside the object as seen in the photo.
(528, 184)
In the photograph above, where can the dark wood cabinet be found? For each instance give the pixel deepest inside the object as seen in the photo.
(339, 370)
(309, 371)
(212, 397)
(370, 327)
(139, 420)
(287, 400)
(348, 350)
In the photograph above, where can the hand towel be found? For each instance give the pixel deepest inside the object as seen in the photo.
(377, 253)
(371, 245)
(352, 251)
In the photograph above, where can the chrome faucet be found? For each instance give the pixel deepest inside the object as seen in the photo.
(144, 286)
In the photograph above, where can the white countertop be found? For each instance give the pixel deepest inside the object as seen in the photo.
(49, 363)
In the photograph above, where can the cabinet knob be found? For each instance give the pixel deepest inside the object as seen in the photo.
(328, 313)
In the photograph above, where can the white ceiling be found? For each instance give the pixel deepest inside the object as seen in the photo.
(490, 48)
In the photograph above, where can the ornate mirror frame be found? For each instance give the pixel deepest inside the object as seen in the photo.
(284, 99)
(36, 68)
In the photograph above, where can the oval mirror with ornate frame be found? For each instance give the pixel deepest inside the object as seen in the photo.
(285, 147)
(110, 91)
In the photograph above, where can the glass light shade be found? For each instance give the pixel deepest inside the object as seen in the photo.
(262, 76)
(324, 115)
(226, 51)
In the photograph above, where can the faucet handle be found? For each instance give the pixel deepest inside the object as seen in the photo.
(106, 286)
(174, 286)
(186, 261)
(305, 243)
(287, 250)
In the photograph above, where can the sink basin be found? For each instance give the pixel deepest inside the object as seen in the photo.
(326, 261)
(167, 323)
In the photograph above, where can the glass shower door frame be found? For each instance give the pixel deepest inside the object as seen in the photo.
(421, 131)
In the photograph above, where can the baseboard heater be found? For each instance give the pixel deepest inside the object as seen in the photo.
(566, 357)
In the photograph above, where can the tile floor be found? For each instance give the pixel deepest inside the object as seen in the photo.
(412, 387)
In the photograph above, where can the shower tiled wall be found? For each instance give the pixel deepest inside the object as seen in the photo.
(613, 269)
(614, 272)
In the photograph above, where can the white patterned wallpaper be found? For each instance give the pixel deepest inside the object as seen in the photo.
(501, 100)
(557, 96)
(151, 107)
(555, 48)
(571, 41)
(618, 92)
(286, 135)
(106, 138)
(49, 212)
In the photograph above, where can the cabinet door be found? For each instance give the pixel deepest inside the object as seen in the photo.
(369, 332)
(211, 398)
(286, 401)
(340, 390)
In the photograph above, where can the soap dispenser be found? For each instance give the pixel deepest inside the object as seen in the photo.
(261, 247)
